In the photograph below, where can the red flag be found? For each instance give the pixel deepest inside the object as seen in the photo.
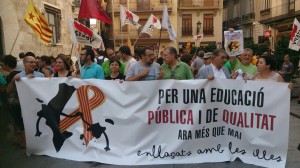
(92, 9)
(267, 33)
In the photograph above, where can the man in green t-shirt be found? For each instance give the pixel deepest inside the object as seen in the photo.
(244, 63)
(173, 68)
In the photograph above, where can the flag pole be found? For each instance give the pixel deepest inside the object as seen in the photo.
(71, 50)
(12, 48)
(113, 18)
(136, 39)
(121, 36)
(159, 40)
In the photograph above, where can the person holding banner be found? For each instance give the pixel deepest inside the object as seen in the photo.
(173, 68)
(63, 66)
(216, 70)
(90, 68)
(146, 68)
(116, 74)
(244, 63)
(106, 64)
(266, 70)
(29, 72)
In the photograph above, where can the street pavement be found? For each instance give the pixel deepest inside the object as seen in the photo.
(14, 157)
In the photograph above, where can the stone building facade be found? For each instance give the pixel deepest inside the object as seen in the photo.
(17, 36)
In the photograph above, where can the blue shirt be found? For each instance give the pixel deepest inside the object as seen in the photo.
(23, 74)
(92, 71)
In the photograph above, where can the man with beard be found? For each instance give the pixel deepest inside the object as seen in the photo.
(90, 69)
(145, 69)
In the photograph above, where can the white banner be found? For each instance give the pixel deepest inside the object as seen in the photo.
(295, 36)
(157, 122)
(234, 42)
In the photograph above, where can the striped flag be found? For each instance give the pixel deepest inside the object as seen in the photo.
(38, 23)
(188, 46)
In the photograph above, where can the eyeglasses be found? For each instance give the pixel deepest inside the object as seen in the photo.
(151, 55)
(31, 62)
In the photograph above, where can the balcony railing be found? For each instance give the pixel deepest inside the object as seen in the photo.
(234, 22)
(198, 4)
(278, 11)
(135, 7)
(248, 18)
(225, 25)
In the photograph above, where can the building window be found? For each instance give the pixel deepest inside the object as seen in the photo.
(143, 22)
(187, 28)
(266, 4)
(208, 3)
(236, 9)
(291, 5)
(53, 16)
(186, 3)
(143, 5)
(250, 4)
(208, 24)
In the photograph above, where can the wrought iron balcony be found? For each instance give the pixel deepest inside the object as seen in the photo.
(248, 18)
(198, 4)
(278, 13)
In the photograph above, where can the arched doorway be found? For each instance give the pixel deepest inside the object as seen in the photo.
(1, 38)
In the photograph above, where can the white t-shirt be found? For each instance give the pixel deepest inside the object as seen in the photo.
(129, 63)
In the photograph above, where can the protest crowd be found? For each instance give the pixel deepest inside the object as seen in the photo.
(125, 66)
(121, 65)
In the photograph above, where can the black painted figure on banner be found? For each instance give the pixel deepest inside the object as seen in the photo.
(52, 112)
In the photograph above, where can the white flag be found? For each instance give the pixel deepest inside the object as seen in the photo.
(166, 23)
(198, 38)
(127, 17)
(151, 23)
(295, 36)
(84, 35)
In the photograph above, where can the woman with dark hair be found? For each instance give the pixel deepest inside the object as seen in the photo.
(63, 67)
(265, 67)
(114, 67)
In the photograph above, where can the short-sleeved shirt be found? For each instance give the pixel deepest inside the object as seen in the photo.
(129, 63)
(287, 67)
(250, 69)
(119, 77)
(182, 71)
(107, 71)
(92, 71)
(23, 74)
(154, 70)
